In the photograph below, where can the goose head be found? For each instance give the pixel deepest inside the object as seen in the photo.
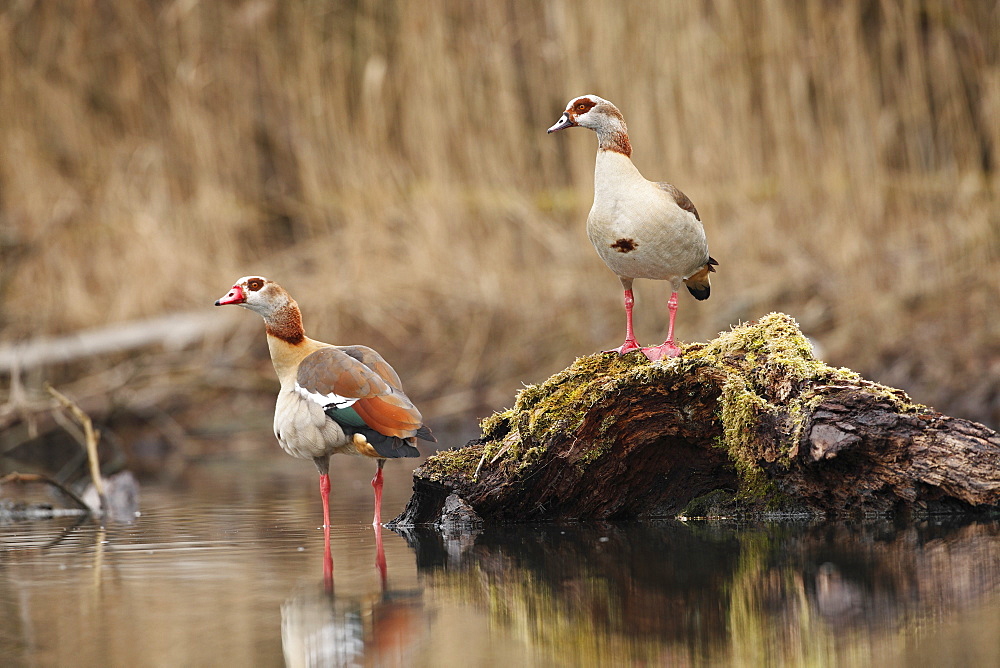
(589, 111)
(258, 294)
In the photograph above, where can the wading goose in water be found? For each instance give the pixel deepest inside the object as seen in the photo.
(333, 399)
(641, 229)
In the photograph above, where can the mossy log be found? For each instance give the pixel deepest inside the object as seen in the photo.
(747, 424)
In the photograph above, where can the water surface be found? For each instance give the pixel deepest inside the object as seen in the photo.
(225, 568)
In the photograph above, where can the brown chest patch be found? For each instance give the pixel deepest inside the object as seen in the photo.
(625, 245)
(286, 324)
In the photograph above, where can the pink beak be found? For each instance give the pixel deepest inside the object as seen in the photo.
(234, 296)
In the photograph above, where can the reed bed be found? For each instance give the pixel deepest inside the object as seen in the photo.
(387, 163)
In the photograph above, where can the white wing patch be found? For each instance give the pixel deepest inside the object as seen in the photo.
(325, 400)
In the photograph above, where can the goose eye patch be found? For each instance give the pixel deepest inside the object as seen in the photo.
(255, 284)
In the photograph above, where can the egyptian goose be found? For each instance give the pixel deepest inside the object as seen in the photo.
(641, 229)
(333, 399)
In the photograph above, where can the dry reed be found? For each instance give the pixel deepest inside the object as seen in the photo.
(387, 163)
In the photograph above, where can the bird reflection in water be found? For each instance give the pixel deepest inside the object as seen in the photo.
(319, 628)
(837, 598)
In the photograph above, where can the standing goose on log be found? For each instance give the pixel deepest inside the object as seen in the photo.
(641, 229)
(333, 399)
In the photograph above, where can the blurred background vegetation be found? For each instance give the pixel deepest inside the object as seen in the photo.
(387, 163)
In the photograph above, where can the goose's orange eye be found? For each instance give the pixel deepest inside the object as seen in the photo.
(581, 107)
(255, 284)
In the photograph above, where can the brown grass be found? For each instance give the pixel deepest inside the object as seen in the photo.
(387, 163)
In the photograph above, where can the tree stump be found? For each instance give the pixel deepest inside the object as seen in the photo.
(747, 424)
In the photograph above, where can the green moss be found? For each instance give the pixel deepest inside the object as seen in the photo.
(756, 488)
(562, 401)
(768, 368)
(718, 503)
(558, 405)
(607, 423)
(451, 463)
(497, 425)
(517, 437)
(595, 450)
(741, 411)
(768, 365)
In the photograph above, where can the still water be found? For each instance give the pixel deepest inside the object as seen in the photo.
(225, 568)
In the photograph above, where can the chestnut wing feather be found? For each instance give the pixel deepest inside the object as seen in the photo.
(362, 393)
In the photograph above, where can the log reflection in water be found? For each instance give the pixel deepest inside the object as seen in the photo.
(671, 590)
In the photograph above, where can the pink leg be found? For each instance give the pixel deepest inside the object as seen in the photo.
(668, 348)
(377, 524)
(324, 492)
(377, 484)
(672, 306)
(380, 557)
(630, 343)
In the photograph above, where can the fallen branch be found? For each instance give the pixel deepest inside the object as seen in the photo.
(749, 423)
(176, 331)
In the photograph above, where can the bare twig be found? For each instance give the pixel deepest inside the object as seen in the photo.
(91, 437)
(39, 477)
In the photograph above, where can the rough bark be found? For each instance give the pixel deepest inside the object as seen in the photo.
(748, 423)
